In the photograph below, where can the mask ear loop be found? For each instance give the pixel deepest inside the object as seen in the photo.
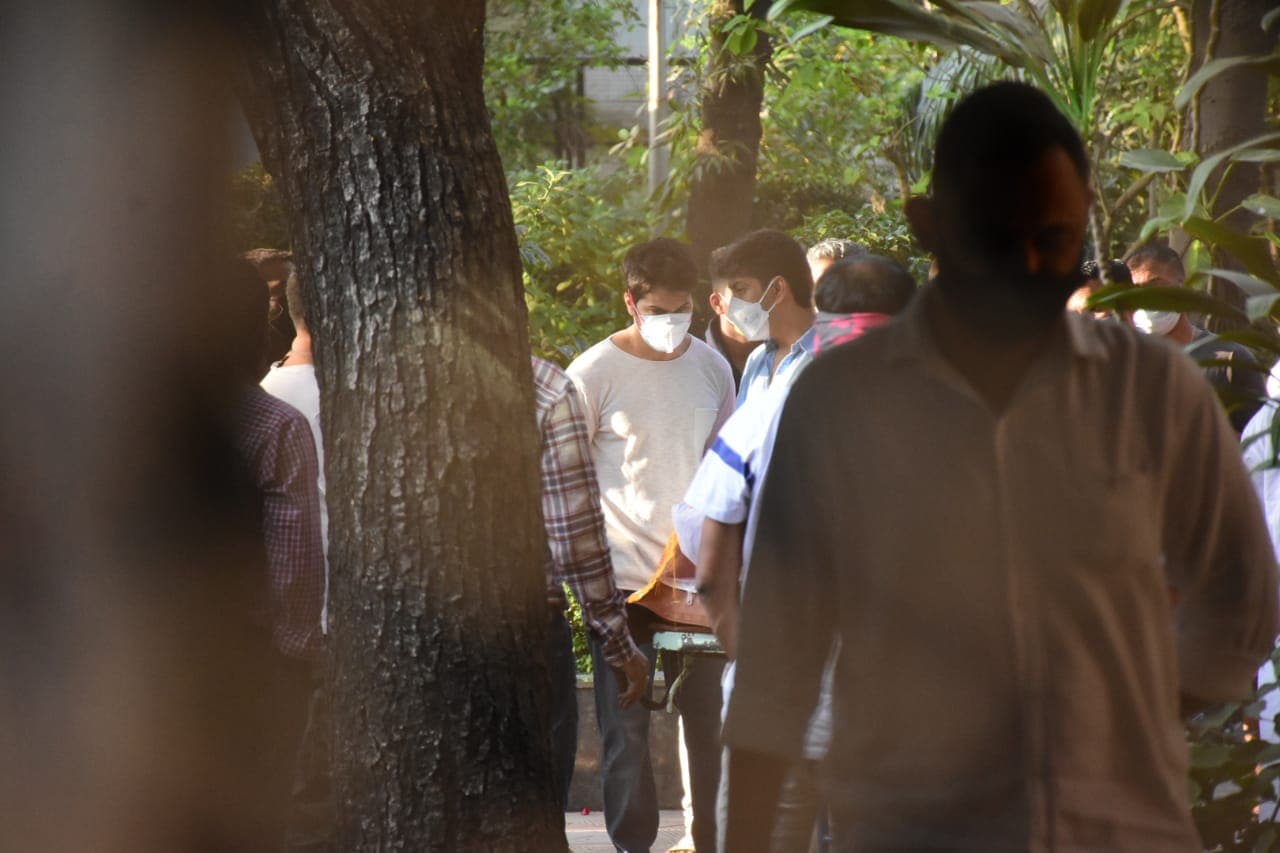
(767, 288)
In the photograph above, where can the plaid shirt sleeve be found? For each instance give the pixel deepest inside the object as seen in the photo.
(573, 517)
(287, 472)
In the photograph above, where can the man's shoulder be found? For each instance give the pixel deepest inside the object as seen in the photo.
(708, 357)
(260, 409)
(1206, 345)
(602, 355)
(294, 385)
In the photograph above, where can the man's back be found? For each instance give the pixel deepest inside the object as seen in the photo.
(1011, 662)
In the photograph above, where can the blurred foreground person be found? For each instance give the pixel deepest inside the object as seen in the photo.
(278, 450)
(578, 555)
(1012, 494)
(853, 296)
(653, 399)
(1230, 367)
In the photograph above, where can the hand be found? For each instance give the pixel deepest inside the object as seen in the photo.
(633, 679)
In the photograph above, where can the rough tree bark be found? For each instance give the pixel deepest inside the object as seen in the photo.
(1231, 107)
(371, 114)
(721, 196)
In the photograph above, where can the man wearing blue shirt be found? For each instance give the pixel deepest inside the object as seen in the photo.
(766, 275)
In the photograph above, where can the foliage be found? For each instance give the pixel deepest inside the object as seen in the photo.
(1233, 773)
(257, 211)
(882, 231)
(1105, 65)
(574, 227)
(535, 50)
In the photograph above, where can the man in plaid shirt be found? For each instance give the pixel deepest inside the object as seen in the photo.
(279, 457)
(577, 555)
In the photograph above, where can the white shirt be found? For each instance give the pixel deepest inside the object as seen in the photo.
(1010, 660)
(649, 423)
(296, 385)
(1258, 456)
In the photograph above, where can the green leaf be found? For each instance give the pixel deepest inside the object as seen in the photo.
(1263, 204)
(906, 20)
(819, 23)
(1206, 756)
(1251, 337)
(1250, 251)
(1093, 15)
(1249, 284)
(1215, 67)
(1202, 172)
(1258, 155)
(1258, 307)
(1270, 19)
(1151, 160)
(1181, 299)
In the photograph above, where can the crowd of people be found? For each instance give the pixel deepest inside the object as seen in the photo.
(972, 550)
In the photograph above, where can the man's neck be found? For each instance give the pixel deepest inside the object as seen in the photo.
(788, 323)
(299, 350)
(993, 365)
(1183, 333)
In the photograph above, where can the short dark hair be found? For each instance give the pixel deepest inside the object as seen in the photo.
(1117, 272)
(866, 284)
(762, 255)
(1155, 253)
(997, 133)
(662, 264)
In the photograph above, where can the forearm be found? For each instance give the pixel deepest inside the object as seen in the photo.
(754, 783)
(604, 612)
(719, 566)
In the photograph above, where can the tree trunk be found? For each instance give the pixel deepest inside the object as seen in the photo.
(722, 193)
(1231, 107)
(371, 114)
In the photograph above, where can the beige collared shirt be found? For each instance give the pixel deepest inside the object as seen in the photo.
(1002, 587)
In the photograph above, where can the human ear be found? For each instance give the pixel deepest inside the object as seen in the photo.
(717, 302)
(921, 212)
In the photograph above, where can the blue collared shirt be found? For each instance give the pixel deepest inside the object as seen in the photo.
(755, 374)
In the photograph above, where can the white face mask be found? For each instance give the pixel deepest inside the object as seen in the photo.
(1155, 322)
(664, 332)
(750, 318)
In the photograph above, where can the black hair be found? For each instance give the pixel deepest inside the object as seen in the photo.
(1155, 253)
(762, 255)
(1117, 272)
(662, 264)
(867, 284)
(997, 134)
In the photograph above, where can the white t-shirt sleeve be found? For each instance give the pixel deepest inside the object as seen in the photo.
(727, 402)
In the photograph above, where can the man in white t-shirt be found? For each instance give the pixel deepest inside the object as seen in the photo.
(653, 398)
(293, 379)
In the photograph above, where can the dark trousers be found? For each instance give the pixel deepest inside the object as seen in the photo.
(564, 704)
(626, 771)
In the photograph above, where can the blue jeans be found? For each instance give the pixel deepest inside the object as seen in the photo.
(626, 772)
(564, 704)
